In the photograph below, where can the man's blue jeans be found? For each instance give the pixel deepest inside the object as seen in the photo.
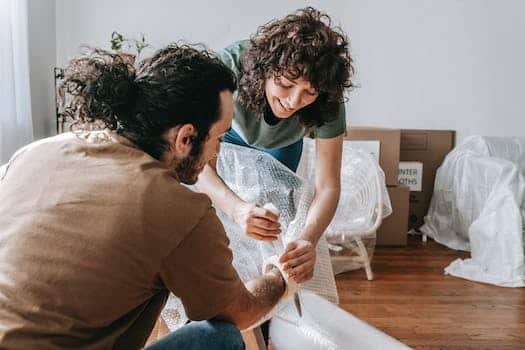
(201, 335)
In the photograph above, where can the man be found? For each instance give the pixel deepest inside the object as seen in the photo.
(96, 229)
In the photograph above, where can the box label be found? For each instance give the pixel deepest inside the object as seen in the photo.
(411, 175)
(371, 147)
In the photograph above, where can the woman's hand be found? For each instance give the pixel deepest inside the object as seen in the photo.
(298, 260)
(257, 222)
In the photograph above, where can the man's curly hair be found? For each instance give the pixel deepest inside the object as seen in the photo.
(178, 85)
(305, 45)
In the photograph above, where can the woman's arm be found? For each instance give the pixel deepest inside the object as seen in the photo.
(257, 222)
(299, 258)
(327, 187)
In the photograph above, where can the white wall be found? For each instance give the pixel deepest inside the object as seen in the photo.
(450, 64)
(42, 60)
(214, 23)
(440, 64)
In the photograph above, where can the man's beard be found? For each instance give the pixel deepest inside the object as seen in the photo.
(189, 168)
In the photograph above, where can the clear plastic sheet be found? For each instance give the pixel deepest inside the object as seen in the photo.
(478, 205)
(363, 203)
(257, 177)
(325, 326)
(3, 170)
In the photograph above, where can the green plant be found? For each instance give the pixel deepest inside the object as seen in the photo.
(141, 44)
(118, 41)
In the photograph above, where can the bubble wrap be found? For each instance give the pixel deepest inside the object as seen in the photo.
(259, 178)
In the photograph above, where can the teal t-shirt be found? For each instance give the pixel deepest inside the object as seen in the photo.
(254, 129)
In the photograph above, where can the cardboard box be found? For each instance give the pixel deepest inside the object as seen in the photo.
(430, 148)
(389, 140)
(394, 228)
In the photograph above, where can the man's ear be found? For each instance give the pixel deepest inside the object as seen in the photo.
(180, 139)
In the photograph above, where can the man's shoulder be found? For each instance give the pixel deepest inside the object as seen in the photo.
(45, 142)
(164, 183)
(166, 200)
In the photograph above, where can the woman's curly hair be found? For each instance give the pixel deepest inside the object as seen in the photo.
(305, 45)
(179, 85)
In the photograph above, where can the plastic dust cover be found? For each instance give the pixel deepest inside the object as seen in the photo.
(478, 205)
(259, 178)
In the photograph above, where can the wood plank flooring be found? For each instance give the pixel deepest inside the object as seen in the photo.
(412, 300)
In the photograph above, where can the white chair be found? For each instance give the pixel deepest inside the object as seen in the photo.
(363, 204)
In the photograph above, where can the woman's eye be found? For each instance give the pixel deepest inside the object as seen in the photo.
(283, 84)
(311, 92)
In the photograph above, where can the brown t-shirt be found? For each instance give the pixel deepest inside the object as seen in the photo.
(92, 235)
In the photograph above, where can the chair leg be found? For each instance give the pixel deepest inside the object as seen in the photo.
(366, 259)
(254, 339)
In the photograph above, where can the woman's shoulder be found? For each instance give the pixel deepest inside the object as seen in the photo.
(333, 128)
(231, 55)
(237, 46)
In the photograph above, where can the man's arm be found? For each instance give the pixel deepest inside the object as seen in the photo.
(200, 272)
(256, 222)
(220, 194)
(257, 300)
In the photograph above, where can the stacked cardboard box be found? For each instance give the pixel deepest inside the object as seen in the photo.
(389, 140)
(409, 159)
(394, 229)
(421, 154)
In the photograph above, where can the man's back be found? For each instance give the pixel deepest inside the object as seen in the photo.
(86, 230)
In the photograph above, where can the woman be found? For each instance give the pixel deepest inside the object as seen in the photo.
(292, 76)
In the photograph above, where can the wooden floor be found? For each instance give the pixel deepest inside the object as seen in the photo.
(411, 300)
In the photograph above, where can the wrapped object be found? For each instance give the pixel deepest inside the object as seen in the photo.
(363, 203)
(478, 205)
(259, 178)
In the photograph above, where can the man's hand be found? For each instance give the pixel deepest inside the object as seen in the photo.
(298, 260)
(257, 222)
